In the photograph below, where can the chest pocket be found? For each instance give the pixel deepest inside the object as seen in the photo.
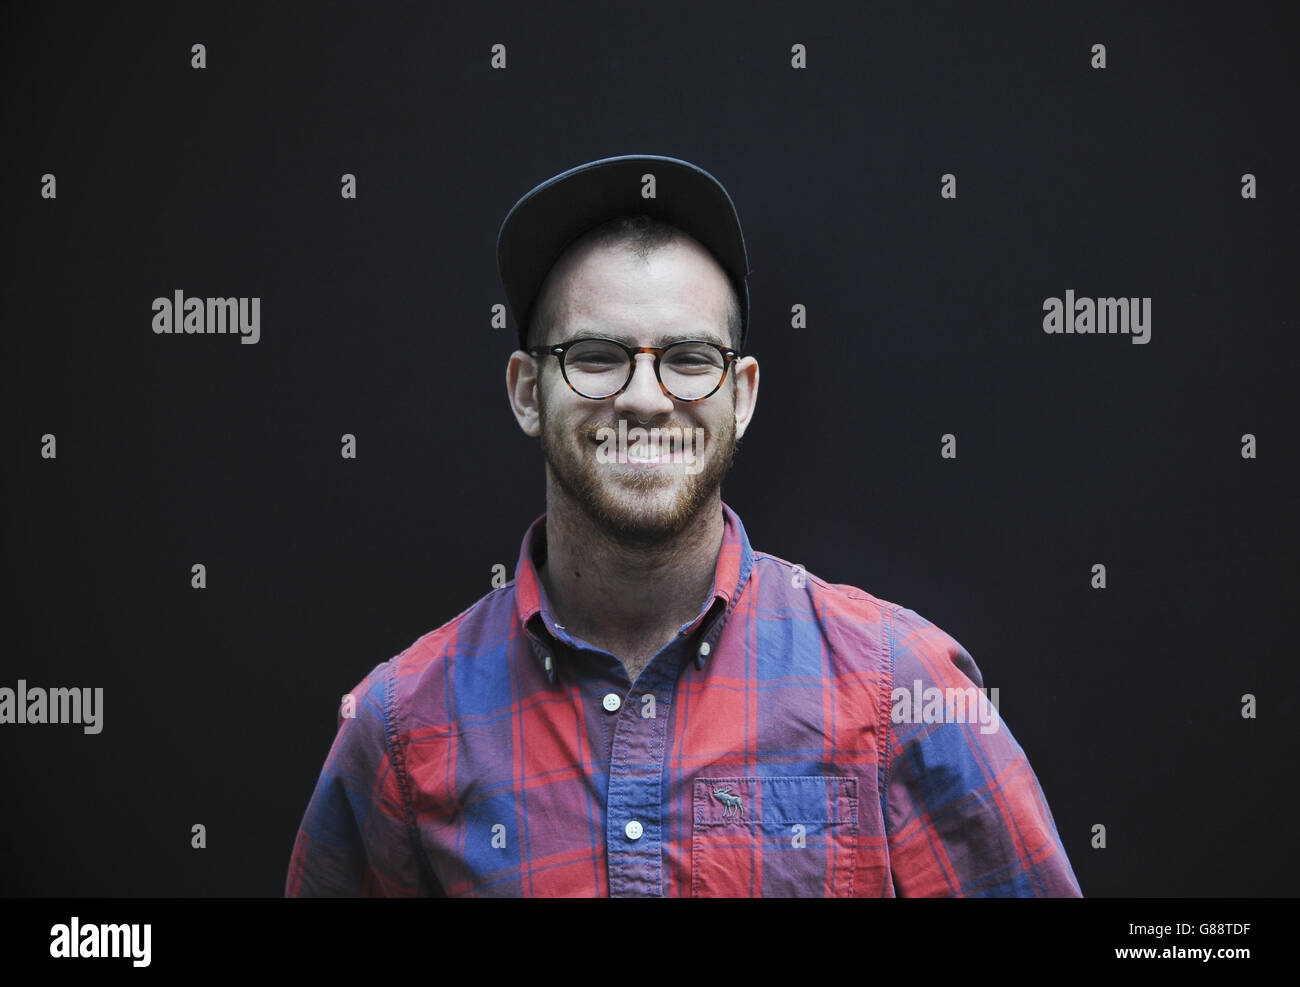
(777, 836)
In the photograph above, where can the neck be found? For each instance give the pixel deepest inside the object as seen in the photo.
(627, 599)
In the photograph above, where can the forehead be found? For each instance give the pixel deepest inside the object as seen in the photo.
(673, 292)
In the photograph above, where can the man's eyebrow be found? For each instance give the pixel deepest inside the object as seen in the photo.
(663, 339)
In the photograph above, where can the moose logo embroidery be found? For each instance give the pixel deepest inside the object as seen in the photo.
(728, 799)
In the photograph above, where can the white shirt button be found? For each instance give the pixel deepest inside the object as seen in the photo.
(705, 649)
(612, 702)
(633, 830)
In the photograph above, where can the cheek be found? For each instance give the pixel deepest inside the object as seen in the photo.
(723, 426)
(555, 415)
(546, 403)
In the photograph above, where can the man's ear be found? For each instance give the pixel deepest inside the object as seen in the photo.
(746, 371)
(521, 389)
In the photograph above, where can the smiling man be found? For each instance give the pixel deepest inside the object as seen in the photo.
(651, 707)
(633, 534)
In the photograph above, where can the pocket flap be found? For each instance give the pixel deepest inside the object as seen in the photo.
(776, 800)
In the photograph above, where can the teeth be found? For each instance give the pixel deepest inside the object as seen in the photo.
(640, 452)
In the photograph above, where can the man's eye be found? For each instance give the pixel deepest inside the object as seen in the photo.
(596, 361)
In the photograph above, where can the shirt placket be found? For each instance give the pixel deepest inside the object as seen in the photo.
(634, 809)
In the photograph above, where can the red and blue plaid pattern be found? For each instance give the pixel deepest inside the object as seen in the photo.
(756, 755)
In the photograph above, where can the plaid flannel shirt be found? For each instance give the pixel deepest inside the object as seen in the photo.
(785, 742)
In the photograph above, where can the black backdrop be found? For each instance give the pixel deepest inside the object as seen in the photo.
(924, 318)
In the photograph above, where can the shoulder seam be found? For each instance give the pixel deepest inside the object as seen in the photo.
(398, 760)
(887, 724)
(452, 622)
(844, 589)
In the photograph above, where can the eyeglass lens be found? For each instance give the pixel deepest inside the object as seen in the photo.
(597, 369)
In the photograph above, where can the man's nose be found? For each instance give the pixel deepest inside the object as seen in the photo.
(644, 397)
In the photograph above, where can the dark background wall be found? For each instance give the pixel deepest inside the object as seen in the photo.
(925, 317)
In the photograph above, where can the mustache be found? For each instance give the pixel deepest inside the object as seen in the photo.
(594, 432)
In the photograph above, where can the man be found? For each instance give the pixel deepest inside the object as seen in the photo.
(652, 708)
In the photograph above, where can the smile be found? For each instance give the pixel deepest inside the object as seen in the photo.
(651, 447)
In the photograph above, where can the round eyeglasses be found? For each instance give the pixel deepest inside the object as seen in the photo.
(596, 368)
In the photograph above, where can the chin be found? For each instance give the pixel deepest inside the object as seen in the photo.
(643, 516)
(636, 505)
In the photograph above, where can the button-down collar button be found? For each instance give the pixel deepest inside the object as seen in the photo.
(705, 649)
(612, 702)
(633, 830)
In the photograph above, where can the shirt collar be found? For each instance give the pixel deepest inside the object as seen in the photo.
(735, 562)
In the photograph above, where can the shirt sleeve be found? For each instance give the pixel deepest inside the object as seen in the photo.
(354, 840)
(965, 815)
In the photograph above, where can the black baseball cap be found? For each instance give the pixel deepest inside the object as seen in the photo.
(542, 225)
